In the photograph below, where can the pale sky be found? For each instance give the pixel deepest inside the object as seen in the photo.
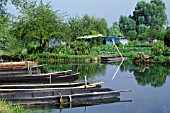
(109, 9)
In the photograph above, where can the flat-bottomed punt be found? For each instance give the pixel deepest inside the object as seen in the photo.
(67, 96)
(64, 76)
(17, 64)
(111, 59)
(73, 104)
(5, 89)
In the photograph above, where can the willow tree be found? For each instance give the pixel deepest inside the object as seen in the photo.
(150, 14)
(37, 25)
(114, 30)
(128, 27)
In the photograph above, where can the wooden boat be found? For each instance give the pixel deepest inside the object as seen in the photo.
(88, 103)
(60, 73)
(18, 67)
(39, 79)
(6, 89)
(19, 70)
(16, 64)
(81, 95)
(76, 104)
(111, 59)
(33, 86)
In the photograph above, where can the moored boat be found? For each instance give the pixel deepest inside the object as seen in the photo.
(111, 59)
(59, 73)
(39, 79)
(69, 96)
(5, 89)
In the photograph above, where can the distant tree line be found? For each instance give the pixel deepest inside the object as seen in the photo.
(37, 24)
(149, 20)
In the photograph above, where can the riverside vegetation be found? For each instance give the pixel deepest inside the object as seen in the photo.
(29, 34)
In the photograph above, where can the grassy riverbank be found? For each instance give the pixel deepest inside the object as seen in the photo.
(133, 49)
(7, 107)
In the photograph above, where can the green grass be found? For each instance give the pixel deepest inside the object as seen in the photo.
(7, 107)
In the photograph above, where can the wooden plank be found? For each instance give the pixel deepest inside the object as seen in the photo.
(41, 89)
(63, 84)
(43, 74)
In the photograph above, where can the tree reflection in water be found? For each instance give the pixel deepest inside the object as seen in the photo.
(154, 75)
(89, 70)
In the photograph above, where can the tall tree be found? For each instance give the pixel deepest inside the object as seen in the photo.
(142, 31)
(38, 24)
(76, 27)
(102, 26)
(127, 26)
(114, 30)
(150, 14)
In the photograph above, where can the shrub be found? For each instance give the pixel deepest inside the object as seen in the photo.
(159, 59)
(119, 44)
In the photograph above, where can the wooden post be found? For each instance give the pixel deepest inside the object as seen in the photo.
(30, 71)
(50, 79)
(85, 80)
(28, 66)
(2, 61)
(11, 63)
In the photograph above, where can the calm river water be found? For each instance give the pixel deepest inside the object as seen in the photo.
(150, 87)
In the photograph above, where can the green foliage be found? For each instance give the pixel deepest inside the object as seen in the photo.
(166, 52)
(96, 41)
(127, 27)
(86, 26)
(4, 31)
(7, 107)
(156, 34)
(150, 14)
(132, 35)
(38, 23)
(114, 30)
(15, 48)
(157, 49)
(148, 20)
(102, 26)
(63, 49)
(94, 32)
(80, 48)
(119, 44)
(167, 38)
(142, 31)
(159, 59)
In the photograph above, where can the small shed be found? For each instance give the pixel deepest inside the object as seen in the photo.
(114, 39)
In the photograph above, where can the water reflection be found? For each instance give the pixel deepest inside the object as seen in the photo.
(85, 104)
(89, 70)
(154, 75)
